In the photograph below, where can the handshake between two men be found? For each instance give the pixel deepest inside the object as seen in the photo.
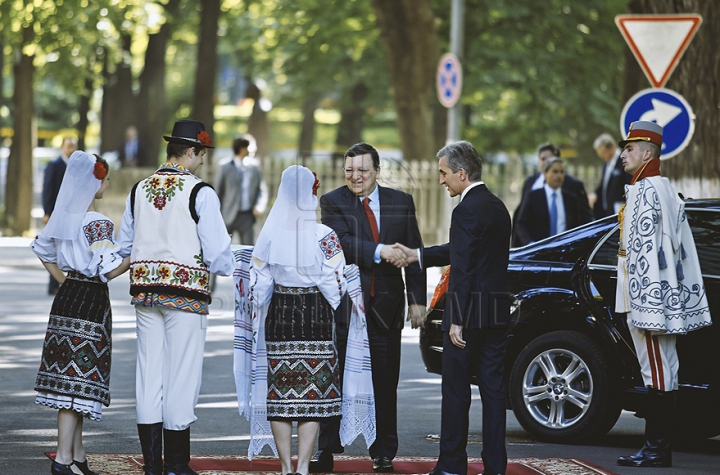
(398, 255)
(401, 256)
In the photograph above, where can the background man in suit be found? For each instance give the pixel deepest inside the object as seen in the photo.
(477, 311)
(131, 152)
(611, 189)
(365, 217)
(54, 172)
(537, 181)
(242, 191)
(539, 217)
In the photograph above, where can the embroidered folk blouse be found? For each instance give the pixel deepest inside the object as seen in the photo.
(326, 274)
(93, 252)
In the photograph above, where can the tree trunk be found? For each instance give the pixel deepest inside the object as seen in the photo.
(307, 128)
(407, 28)
(19, 187)
(118, 103)
(697, 79)
(2, 79)
(83, 109)
(350, 127)
(152, 115)
(204, 96)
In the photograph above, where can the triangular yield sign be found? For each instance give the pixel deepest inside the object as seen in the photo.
(658, 41)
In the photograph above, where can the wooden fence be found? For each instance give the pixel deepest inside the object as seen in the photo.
(420, 179)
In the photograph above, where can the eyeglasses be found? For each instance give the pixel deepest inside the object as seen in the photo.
(352, 171)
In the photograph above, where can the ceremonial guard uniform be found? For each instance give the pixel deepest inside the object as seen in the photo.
(659, 285)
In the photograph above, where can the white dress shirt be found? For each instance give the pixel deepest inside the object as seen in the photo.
(560, 204)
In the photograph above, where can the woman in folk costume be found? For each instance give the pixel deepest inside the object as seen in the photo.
(659, 286)
(297, 266)
(74, 373)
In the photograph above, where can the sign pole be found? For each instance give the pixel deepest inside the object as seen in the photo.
(456, 48)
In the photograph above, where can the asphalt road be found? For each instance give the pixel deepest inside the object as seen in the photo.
(28, 430)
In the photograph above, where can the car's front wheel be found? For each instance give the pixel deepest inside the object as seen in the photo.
(560, 388)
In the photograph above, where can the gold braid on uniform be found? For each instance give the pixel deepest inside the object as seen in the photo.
(654, 170)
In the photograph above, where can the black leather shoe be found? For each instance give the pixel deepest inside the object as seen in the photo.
(647, 458)
(60, 469)
(383, 464)
(435, 471)
(321, 462)
(83, 466)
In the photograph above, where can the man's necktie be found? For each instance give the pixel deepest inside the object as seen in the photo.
(553, 214)
(376, 236)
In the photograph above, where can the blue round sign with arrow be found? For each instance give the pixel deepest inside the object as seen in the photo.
(666, 108)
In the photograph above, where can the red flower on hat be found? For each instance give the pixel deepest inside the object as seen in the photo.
(99, 171)
(204, 138)
(316, 185)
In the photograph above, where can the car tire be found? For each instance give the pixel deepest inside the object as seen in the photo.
(560, 387)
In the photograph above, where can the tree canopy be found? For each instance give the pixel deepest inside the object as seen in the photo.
(533, 71)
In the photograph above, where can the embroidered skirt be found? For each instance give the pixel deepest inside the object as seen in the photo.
(75, 361)
(303, 371)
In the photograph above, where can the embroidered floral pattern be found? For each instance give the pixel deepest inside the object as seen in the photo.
(330, 245)
(159, 190)
(100, 230)
(170, 274)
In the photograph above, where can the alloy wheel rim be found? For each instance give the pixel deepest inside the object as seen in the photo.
(557, 388)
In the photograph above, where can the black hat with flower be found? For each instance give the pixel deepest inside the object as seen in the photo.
(189, 132)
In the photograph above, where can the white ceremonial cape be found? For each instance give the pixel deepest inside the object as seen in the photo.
(250, 363)
(660, 282)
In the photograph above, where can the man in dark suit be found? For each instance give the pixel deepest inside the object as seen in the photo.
(477, 311)
(369, 219)
(54, 172)
(131, 152)
(609, 195)
(242, 191)
(537, 180)
(538, 218)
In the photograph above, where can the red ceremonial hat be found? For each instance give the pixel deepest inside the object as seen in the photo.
(645, 131)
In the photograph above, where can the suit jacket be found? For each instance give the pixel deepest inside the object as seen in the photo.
(571, 184)
(344, 213)
(52, 180)
(615, 190)
(140, 154)
(478, 253)
(228, 185)
(533, 222)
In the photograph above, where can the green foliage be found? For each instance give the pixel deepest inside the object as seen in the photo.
(303, 47)
(538, 71)
(533, 70)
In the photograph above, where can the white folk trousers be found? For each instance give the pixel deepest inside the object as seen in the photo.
(658, 358)
(170, 346)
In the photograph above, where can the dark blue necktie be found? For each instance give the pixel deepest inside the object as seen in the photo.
(553, 214)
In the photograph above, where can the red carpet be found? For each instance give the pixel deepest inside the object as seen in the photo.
(131, 464)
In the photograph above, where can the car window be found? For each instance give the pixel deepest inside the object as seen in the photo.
(607, 253)
(705, 225)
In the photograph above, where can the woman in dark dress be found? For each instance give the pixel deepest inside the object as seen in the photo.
(74, 373)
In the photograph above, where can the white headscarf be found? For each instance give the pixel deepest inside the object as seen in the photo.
(77, 191)
(288, 236)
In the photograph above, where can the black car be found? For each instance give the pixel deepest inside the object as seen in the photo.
(571, 366)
